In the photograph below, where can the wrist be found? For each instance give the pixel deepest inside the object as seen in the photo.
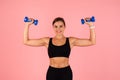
(92, 27)
(27, 25)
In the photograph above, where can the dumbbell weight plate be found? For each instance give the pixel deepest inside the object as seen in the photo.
(82, 21)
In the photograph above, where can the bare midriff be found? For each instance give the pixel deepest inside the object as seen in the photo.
(59, 62)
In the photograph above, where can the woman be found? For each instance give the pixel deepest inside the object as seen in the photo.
(59, 48)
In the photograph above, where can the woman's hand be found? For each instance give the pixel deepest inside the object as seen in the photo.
(88, 23)
(29, 23)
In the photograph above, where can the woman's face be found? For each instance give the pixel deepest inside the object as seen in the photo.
(59, 27)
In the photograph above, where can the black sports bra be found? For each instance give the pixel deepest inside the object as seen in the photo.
(59, 51)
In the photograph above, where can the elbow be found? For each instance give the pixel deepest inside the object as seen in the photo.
(25, 42)
(93, 43)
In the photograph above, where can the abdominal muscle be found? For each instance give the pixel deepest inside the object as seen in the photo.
(59, 62)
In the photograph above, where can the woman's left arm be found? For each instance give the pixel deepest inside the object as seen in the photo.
(85, 42)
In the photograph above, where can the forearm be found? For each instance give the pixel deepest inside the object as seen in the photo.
(92, 36)
(26, 33)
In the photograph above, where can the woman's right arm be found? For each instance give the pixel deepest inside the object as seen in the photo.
(33, 42)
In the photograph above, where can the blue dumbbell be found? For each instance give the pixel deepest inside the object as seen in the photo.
(26, 19)
(92, 19)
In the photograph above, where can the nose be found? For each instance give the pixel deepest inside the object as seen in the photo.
(58, 28)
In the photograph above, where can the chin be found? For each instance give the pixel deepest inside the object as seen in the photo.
(59, 33)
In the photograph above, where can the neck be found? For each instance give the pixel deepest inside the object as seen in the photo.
(59, 36)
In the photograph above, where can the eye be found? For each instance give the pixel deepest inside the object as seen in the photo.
(61, 26)
(55, 26)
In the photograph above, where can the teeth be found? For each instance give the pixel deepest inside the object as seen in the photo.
(59, 31)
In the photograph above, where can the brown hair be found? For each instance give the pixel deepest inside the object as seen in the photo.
(58, 19)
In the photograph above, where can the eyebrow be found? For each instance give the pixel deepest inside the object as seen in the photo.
(59, 25)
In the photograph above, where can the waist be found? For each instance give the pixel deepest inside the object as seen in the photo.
(59, 62)
(62, 68)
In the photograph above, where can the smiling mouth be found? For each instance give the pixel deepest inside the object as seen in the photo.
(58, 31)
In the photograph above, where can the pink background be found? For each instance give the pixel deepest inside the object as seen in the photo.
(98, 62)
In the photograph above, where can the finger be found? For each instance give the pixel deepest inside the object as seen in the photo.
(86, 22)
(32, 20)
(87, 18)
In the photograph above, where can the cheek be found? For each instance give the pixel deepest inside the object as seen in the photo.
(63, 28)
(55, 29)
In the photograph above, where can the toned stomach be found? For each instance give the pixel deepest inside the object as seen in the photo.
(59, 62)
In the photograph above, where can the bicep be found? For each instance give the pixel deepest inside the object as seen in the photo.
(36, 42)
(82, 42)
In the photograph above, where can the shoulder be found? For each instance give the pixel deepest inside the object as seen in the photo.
(45, 39)
(72, 39)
